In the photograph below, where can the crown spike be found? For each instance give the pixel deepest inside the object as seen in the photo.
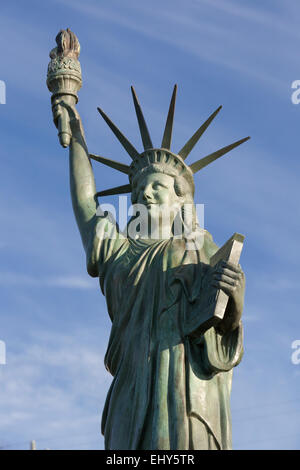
(167, 137)
(203, 162)
(112, 163)
(121, 137)
(188, 147)
(147, 143)
(126, 188)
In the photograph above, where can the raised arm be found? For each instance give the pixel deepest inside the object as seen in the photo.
(82, 182)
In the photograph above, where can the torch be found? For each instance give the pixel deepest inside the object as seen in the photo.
(64, 79)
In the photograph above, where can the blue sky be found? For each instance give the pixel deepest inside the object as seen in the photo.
(243, 55)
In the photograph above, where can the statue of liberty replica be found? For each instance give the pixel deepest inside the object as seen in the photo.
(175, 299)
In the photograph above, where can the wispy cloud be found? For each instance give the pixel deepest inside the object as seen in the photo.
(69, 282)
(187, 24)
(258, 15)
(51, 390)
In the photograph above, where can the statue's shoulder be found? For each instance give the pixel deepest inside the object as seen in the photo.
(209, 246)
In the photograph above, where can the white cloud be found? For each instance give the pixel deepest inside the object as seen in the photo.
(52, 390)
(187, 23)
(70, 282)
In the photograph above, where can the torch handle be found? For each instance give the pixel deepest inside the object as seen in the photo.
(64, 129)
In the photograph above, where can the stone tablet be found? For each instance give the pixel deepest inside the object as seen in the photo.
(210, 309)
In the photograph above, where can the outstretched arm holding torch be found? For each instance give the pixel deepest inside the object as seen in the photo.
(64, 80)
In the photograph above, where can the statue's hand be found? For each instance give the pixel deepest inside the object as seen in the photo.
(67, 120)
(231, 279)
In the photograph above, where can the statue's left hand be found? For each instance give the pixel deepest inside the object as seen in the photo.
(231, 279)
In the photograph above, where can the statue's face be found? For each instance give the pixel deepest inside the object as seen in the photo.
(157, 189)
(156, 192)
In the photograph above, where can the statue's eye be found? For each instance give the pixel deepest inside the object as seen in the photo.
(157, 186)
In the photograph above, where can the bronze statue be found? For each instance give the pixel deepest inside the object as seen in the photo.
(171, 356)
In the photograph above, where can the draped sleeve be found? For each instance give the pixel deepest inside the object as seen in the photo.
(220, 352)
(104, 242)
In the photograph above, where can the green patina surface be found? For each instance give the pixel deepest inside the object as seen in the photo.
(171, 384)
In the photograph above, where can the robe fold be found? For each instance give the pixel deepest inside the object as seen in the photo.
(170, 390)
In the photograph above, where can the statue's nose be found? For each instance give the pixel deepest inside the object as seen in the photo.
(147, 194)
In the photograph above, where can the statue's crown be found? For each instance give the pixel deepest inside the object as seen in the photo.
(160, 158)
(163, 158)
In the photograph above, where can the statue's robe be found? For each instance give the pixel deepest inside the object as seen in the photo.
(171, 390)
